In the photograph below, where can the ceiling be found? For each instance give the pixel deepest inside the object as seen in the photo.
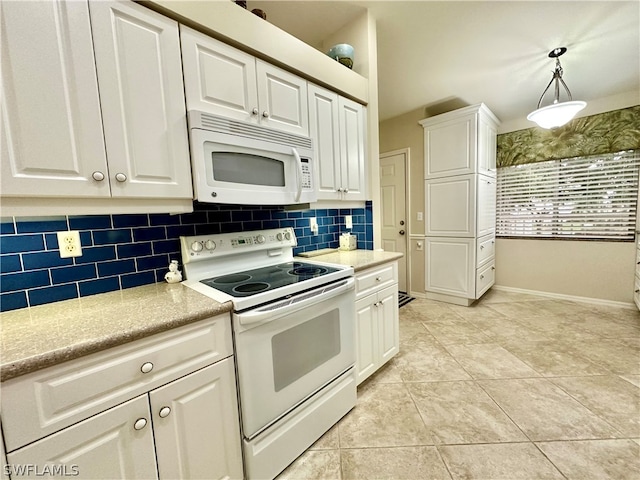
(433, 54)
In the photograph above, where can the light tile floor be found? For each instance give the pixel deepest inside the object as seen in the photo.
(514, 387)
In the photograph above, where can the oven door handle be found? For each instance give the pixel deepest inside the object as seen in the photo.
(298, 173)
(289, 305)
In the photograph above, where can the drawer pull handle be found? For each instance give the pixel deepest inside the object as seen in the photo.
(481, 247)
(637, 290)
(481, 277)
(146, 367)
(493, 268)
(164, 412)
(140, 423)
(378, 279)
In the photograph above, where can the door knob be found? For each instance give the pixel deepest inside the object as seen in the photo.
(401, 232)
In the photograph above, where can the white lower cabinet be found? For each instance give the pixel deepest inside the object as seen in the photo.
(377, 319)
(167, 408)
(117, 443)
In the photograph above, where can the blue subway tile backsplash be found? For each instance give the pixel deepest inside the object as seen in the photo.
(124, 251)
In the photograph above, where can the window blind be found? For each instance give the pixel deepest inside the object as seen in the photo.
(591, 197)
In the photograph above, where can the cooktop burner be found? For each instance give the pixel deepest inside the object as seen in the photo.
(249, 282)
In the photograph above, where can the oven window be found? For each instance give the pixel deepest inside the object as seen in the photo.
(303, 348)
(249, 169)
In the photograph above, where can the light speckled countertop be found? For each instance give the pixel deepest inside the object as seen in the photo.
(358, 259)
(42, 336)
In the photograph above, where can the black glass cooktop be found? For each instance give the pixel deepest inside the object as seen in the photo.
(250, 282)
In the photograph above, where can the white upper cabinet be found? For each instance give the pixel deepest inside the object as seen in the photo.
(143, 109)
(95, 108)
(460, 142)
(339, 134)
(51, 127)
(226, 81)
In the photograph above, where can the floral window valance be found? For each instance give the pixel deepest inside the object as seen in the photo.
(607, 132)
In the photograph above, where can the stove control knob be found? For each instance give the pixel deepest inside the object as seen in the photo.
(280, 236)
(260, 239)
(287, 235)
(210, 245)
(197, 246)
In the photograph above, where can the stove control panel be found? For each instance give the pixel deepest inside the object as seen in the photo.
(201, 247)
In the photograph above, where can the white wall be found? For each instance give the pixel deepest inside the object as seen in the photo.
(601, 270)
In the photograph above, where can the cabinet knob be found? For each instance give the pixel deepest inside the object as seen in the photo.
(164, 412)
(121, 177)
(481, 277)
(345, 190)
(255, 111)
(378, 279)
(493, 268)
(637, 291)
(265, 114)
(401, 232)
(339, 190)
(481, 247)
(140, 423)
(98, 176)
(146, 367)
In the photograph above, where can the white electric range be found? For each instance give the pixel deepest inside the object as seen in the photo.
(294, 338)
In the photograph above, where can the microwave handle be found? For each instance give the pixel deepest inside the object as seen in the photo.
(298, 173)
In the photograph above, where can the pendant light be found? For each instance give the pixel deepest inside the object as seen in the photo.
(558, 113)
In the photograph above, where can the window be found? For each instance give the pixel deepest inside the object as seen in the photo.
(591, 197)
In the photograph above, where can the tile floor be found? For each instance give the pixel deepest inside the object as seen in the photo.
(514, 387)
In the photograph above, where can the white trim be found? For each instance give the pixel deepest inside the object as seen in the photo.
(561, 296)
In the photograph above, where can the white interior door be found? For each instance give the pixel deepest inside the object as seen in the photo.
(394, 218)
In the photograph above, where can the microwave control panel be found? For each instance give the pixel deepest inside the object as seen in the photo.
(306, 174)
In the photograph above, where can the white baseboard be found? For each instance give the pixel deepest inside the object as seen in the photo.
(418, 294)
(573, 298)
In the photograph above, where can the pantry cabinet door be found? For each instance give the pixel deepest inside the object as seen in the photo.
(51, 129)
(282, 99)
(196, 425)
(142, 96)
(218, 78)
(117, 443)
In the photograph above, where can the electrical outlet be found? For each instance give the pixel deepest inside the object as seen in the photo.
(69, 244)
(313, 225)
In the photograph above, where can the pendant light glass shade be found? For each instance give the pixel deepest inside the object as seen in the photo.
(558, 113)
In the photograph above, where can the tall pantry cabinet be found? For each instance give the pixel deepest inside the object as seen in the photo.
(460, 194)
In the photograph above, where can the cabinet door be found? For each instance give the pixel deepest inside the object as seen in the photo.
(451, 266)
(108, 445)
(487, 145)
(389, 323)
(486, 206)
(451, 206)
(352, 149)
(218, 78)
(450, 147)
(324, 128)
(366, 337)
(142, 97)
(51, 129)
(282, 99)
(196, 425)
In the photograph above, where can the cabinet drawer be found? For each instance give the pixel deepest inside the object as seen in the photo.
(373, 279)
(45, 401)
(485, 249)
(485, 278)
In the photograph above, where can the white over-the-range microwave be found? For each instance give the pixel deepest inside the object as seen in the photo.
(241, 163)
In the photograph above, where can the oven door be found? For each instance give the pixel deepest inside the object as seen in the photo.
(288, 350)
(240, 170)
